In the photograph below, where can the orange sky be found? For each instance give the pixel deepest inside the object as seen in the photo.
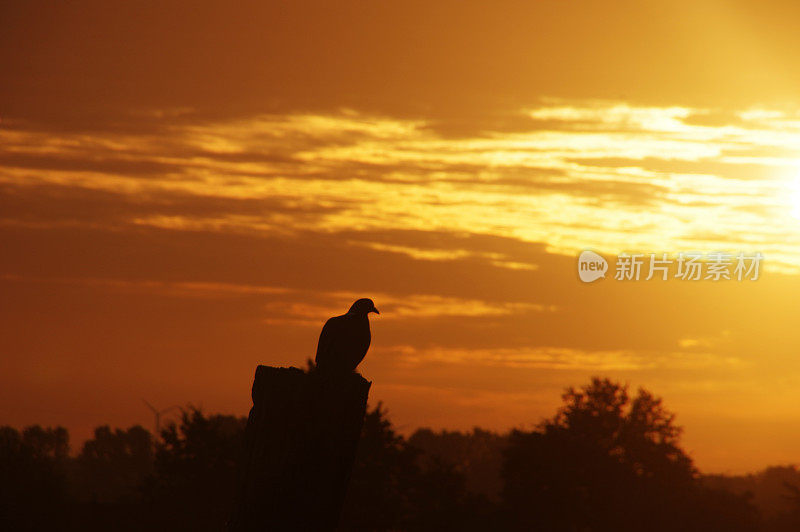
(189, 190)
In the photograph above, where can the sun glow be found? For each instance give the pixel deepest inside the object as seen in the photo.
(794, 197)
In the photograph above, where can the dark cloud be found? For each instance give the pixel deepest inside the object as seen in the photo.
(493, 122)
(53, 204)
(318, 264)
(89, 64)
(87, 163)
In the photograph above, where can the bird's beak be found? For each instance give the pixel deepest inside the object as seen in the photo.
(375, 310)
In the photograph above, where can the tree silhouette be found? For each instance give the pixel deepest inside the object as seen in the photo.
(195, 471)
(377, 498)
(33, 485)
(605, 461)
(112, 466)
(477, 455)
(394, 487)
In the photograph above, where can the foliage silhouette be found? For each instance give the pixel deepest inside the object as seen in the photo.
(477, 455)
(195, 470)
(112, 465)
(393, 488)
(607, 460)
(33, 467)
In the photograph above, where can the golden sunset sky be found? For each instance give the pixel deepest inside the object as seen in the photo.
(190, 189)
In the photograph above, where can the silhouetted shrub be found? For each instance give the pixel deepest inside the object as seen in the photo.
(195, 475)
(33, 484)
(477, 455)
(607, 461)
(113, 465)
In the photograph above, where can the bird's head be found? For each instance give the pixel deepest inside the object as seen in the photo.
(363, 307)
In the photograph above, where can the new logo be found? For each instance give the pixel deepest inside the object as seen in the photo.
(591, 266)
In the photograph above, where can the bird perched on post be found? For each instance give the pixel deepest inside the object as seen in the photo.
(344, 340)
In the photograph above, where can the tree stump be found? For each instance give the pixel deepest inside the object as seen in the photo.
(300, 445)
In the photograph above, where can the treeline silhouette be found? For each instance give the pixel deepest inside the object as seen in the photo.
(607, 460)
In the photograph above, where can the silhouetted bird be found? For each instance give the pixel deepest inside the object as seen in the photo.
(344, 340)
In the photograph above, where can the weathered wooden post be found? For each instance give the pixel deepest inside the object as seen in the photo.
(300, 444)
